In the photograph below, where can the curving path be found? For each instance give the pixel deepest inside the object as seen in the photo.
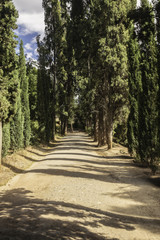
(76, 192)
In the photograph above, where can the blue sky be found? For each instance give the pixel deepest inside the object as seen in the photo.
(30, 24)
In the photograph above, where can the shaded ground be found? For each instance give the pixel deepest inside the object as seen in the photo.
(19, 161)
(78, 191)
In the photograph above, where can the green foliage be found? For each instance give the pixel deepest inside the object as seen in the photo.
(8, 60)
(32, 73)
(4, 101)
(5, 139)
(8, 17)
(16, 125)
(8, 76)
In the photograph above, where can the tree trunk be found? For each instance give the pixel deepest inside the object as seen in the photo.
(87, 125)
(65, 126)
(109, 131)
(54, 126)
(71, 127)
(96, 127)
(0, 142)
(101, 128)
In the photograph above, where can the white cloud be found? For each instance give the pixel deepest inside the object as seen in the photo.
(35, 52)
(28, 5)
(31, 16)
(33, 22)
(29, 55)
(28, 46)
(34, 40)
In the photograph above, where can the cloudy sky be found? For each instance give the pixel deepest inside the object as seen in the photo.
(30, 24)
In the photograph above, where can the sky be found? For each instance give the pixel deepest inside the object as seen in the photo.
(30, 24)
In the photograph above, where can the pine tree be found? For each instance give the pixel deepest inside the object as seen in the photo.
(8, 61)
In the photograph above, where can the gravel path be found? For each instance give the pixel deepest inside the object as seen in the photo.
(78, 191)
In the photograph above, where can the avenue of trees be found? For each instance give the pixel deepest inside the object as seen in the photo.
(98, 70)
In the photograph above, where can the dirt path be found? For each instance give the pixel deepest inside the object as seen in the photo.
(75, 193)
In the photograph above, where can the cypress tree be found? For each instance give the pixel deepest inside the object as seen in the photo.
(24, 97)
(56, 52)
(148, 112)
(157, 14)
(135, 88)
(32, 73)
(32, 89)
(44, 96)
(8, 61)
(53, 34)
(16, 125)
(6, 138)
(113, 62)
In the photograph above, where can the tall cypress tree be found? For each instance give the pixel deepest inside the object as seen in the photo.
(8, 61)
(56, 53)
(16, 124)
(32, 91)
(24, 97)
(44, 95)
(148, 125)
(135, 88)
(53, 35)
(113, 62)
(157, 14)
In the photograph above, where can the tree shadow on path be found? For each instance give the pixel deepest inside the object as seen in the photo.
(26, 217)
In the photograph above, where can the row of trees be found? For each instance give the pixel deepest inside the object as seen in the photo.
(98, 67)
(84, 52)
(103, 55)
(144, 84)
(15, 130)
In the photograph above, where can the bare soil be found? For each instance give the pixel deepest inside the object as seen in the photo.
(76, 191)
